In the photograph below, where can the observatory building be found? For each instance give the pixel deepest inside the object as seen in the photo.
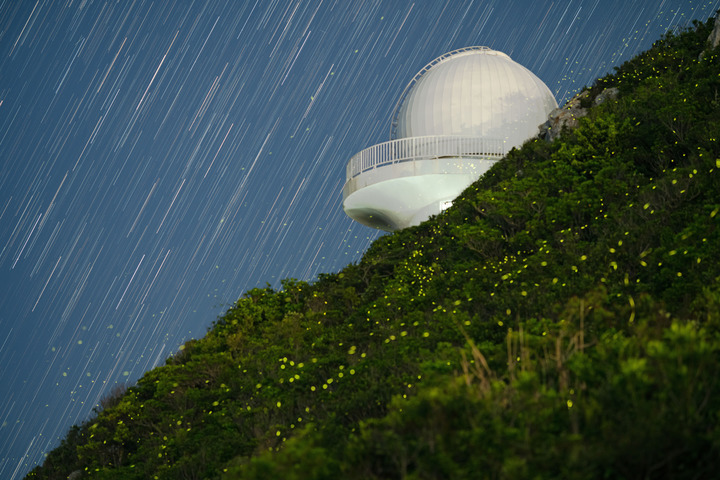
(458, 116)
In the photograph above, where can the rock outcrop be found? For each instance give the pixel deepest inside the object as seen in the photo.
(568, 116)
(714, 38)
(605, 95)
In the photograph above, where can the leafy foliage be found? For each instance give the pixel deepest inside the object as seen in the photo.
(561, 320)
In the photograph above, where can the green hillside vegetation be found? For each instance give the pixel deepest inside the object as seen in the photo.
(560, 320)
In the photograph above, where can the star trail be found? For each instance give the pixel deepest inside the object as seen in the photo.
(158, 159)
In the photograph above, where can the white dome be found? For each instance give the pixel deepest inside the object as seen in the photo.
(474, 92)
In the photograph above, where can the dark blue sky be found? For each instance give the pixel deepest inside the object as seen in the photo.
(158, 159)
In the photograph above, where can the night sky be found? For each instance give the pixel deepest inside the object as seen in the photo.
(158, 159)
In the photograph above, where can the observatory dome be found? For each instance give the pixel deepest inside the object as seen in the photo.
(458, 116)
(473, 92)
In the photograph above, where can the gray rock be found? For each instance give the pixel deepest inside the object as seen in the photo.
(714, 38)
(569, 116)
(605, 95)
(565, 117)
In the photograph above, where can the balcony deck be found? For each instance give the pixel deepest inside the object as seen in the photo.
(402, 182)
(416, 156)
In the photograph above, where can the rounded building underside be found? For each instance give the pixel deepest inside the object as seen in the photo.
(402, 195)
(407, 201)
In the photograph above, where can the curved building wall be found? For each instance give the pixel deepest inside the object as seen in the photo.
(476, 93)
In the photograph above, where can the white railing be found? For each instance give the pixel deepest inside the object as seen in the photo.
(424, 148)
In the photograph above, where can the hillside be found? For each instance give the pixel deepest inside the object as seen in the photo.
(561, 320)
